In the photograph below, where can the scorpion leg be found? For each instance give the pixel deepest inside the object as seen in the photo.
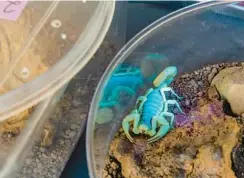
(164, 128)
(171, 117)
(126, 124)
(168, 89)
(152, 132)
(172, 102)
(140, 101)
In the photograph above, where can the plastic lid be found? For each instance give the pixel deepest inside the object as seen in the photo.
(43, 45)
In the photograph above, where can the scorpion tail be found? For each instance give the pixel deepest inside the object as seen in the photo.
(166, 76)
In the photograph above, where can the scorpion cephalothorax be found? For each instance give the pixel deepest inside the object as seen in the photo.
(151, 111)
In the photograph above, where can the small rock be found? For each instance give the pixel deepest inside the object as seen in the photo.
(208, 68)
(44, 155)
(217, 155)
(74, 126)
(214, 71)
(67, 132)
(185, 76)
(109, 176)
(72, 134)
(105, 173)
(35, 170)
(114, 165)
(193, 83)
(61, 142)
(54, 171)
(76, 103)
(83, 116)
(200, 94)
(60, 158)
(110, 170)
(39, 166)
(114, 173)
(28, 161)
(200, 83)
(42, 149)
(212, 74)
(187, 102)
(213, 93)
(53, 155)
(210, 77)
(194, 102)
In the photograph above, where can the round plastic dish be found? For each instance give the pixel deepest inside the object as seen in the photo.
(205, 33)
(45, 47)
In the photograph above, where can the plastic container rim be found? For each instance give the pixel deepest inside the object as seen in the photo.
(35, 91)
(123, 54)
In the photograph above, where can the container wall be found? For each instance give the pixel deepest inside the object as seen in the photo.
(187, 40)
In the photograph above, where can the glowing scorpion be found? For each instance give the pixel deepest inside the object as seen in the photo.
(150, 115)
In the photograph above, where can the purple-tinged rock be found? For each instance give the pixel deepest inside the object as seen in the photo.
(204, 114)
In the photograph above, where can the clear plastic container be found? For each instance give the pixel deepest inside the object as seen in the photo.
(14, 151)
(45, 47)
(188, 39)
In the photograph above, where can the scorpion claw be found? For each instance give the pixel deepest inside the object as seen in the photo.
(126, 130)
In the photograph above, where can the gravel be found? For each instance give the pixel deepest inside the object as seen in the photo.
(68, 120)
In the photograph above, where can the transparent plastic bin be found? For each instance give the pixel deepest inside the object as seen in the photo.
(188, 39)
(14, 152)
(45, 47)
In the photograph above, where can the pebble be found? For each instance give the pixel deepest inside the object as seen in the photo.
(114, 173)
(53, 155)
(28, 161)
(39, 166)
(214, 71)
(105, 173)
(187, 102)
(72, 134)
(200, 94)
(42, 149)
(76, 103)
(114, 165)
(194, 102)
(208, 68)
(193, 83)
(110, 170)
(61, 142)
(200, 83)
(54, 171)
(217, 155)
(210, 77)
(83, 116)
(185, 76)
(35, 170)
(73, 126)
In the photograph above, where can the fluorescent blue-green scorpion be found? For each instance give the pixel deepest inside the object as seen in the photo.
(151, 115)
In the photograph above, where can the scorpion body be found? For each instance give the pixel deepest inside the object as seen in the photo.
(151, 115)
(153, 106)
